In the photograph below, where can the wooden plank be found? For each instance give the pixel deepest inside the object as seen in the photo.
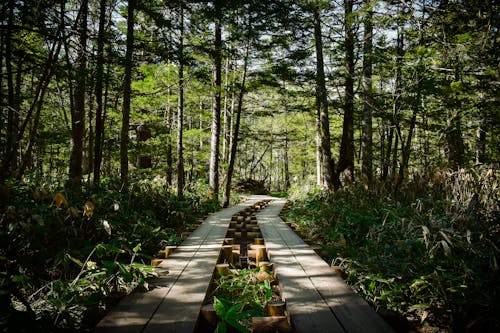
(173, 302)
(350, 310)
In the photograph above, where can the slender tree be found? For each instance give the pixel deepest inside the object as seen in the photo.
(346, 158)
(99, 84)
(326, 162)
(236, 129)
(367, 135)
(214, 146)
(124, 138)
(180, 110)
(78, 112)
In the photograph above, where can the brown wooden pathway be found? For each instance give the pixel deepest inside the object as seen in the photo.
(173, 302)
(317, 299)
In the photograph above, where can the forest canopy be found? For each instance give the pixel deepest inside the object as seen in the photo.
(174, 104)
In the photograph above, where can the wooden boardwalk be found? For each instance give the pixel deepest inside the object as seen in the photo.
(173, 302)
(316, 298)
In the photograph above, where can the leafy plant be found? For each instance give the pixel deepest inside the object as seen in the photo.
(429, 254)
(240, 296)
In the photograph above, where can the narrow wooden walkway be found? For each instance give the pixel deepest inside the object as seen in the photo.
(317, 299)
(173, 302)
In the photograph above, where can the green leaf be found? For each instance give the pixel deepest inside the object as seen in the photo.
(137, 248)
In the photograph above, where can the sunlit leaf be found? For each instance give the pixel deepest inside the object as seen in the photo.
(91, 264)
(60, 199)
(88, 209)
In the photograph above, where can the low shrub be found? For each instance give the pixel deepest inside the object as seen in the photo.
(430, 253)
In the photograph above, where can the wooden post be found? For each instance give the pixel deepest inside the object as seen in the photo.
(222, 269)
(227, 254)
(276, 308)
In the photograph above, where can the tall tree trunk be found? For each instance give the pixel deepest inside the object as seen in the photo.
(236, 130)
(99, 77)
(214, 145)
(454, 140)
(169, 127)
(326, 161)
(396, 106)
(11, 134)
(346, 158)
(366, 135)
(2, 106)
(78, 114)
(169, 113)
(227, 116)
(286, 165)
(127, 80)
(180, 110)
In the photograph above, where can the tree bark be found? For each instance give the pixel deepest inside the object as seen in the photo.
(11, 134)
(325, 160)
(215, 138)
(127, 80)
(180, 110)
(236, 130)
(346, 158)
(99, 77)
(78, 114)
(367, 135)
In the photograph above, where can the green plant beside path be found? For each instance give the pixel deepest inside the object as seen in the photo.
(425, 254)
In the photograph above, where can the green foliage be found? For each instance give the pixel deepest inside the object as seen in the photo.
(63, 252)
(240, 296)
(431, 254)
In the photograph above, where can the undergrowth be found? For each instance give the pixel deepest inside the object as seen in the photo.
(66, 257)
(430, 253)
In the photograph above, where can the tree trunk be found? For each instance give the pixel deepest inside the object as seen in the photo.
(127, 80)
(366, 135)
(11, 134)
(170, 120)
(346, 158)
(99, 77)
(236, 130)
(325, 160)
(180, 110)
(78, 114)
(227, 117)
(396, 106)
(214, 146)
